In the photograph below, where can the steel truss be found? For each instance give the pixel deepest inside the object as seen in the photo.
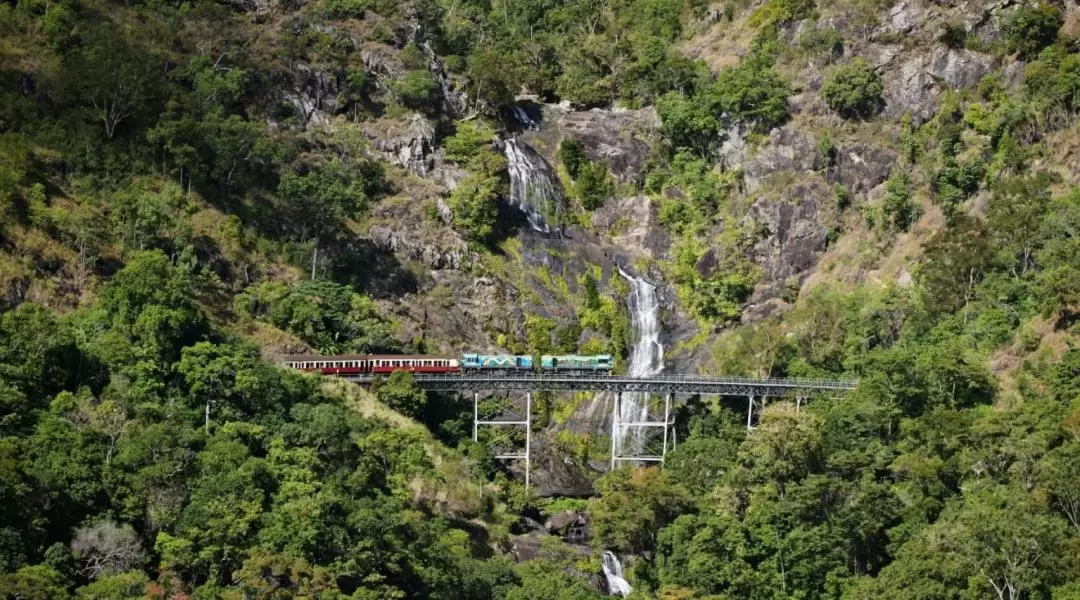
(658, 384)
(647, 432)
(502, 423)
(510, 418)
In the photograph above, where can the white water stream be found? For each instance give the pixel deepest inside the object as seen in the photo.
(532, 188)
(613, 572)
(646, 358)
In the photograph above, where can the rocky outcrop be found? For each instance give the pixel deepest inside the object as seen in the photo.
(620, 138)
(432, 256)
(408, 143)
(914, 82)
(788, 149)
(631, 225)
(861, 167)
(571, 525)
(795, 236)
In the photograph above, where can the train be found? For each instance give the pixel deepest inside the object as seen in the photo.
(370, 364)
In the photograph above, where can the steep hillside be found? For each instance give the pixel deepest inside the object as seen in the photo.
(861, 189)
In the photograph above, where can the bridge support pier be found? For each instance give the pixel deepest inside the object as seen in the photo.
(502, 423)
(628, 447)
(756, 403)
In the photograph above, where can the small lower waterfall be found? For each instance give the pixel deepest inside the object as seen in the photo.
(646, 358)
(613, 572)
(532, 187)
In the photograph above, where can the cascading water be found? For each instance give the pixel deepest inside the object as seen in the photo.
(613, 572)
(523, 118)
(532, 188)
(646, 358)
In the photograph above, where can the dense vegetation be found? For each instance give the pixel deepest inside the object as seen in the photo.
(172, 205)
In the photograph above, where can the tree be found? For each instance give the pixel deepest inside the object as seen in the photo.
(899, 208)
(752, 92)
(593, 184)
(106, 548)
(37, 582)
(121, 586)
(417, 90)
(114, 71)
(1008, 540)
(1031, 28)
(399, 393)
(688, 123)
(572, 155)
(633, 504)
(474, 207)
(853, 90)
(1058, 473)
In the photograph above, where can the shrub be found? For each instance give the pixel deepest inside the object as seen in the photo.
(1031, 28)
(752, 92)
(475, 209)
(401, 394)
(594, 185)
(824, 42)
(899, 208)
(688, 123)
(853, 90)
(417, 90)
(572, 155)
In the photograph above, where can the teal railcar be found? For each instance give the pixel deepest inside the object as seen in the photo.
(496, 361)
(577, 362)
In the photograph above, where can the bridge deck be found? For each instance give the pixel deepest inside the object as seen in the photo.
(679, 384)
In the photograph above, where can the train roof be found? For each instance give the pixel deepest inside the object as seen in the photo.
(319, 357)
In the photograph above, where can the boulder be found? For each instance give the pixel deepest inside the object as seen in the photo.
(558, 523)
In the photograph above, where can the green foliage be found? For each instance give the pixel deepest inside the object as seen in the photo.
(955, 183)
(824, 42)
(399, 393)
(751, 92)
(572, 155)
(329, 316)
(899, 208)
(1032, 27)
(472, 147)
(475, 209)
(779, 12)
(594, 184)
(632, 505)
(853, 90)
(417, 90)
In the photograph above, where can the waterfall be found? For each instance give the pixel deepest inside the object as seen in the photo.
(646, 358)
(532, 188)
(613, 572)
(523, 118)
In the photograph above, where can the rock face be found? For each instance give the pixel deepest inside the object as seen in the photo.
(632, 226)
(620, 138)
(407, 143)
(789, 149)
(861, 167)
(920, 79)
(795, 237)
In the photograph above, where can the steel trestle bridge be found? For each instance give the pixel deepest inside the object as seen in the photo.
(509, 423)
(657, 384)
